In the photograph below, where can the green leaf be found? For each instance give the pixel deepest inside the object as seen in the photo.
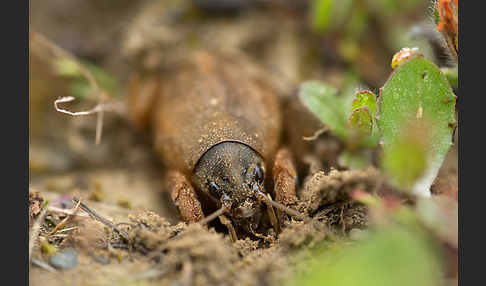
(323, 101)
(359, 124)
(365, 99)
(405, 160)
(417, 96)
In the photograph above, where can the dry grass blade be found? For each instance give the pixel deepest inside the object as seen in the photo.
(43, 265)
(317, 133)
(99, 108)
(94, 215)
(64, 99)
(34, 231)
(69, 212)
(66, 220)
(49, 51)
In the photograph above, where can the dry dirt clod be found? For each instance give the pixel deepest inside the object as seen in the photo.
(35, 206)
(149, 232)
(327, 197)
(299, 234)
(324, 189)
(200, 257)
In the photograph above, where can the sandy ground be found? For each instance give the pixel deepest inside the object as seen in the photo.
(123, 180)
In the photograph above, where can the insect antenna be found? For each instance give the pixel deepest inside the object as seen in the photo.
(261, 196)
(292, 212)
(226, 207)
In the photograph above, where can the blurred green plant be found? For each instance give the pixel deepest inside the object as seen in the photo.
(323, 100)
(353, 15)
(357, 25)
(415, 115)
(403, 247)
(414, 119)
(392, 256)
(80, 87)
(88, 79)
(416, 122)
(360, 122)
(350, 116)
(451, 75)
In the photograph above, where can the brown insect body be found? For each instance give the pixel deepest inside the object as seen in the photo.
(209, 100)
(216, 122)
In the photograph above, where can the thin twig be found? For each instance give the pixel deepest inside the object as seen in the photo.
(43, 265)
(68, 229)
(68, 212)
(316, 134)
(48, 50)
(98, 108)
(65, 221)
(64, 99)
(94, 215)
(35, 231)
(99, 125)
(63, 235)
(99, 205)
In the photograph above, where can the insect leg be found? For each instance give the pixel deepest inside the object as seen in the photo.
(284, 176)
(184, 197)
(273, 217)
(227, 222)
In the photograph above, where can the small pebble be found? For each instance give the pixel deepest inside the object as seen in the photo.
(101, 259)
(67, 259)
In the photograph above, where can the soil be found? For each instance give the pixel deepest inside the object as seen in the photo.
(123, 181)
(158, 252)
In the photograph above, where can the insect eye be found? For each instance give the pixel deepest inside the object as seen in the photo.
(258, 174)
(215, 190)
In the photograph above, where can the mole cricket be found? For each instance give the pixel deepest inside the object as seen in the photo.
(217, 126)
